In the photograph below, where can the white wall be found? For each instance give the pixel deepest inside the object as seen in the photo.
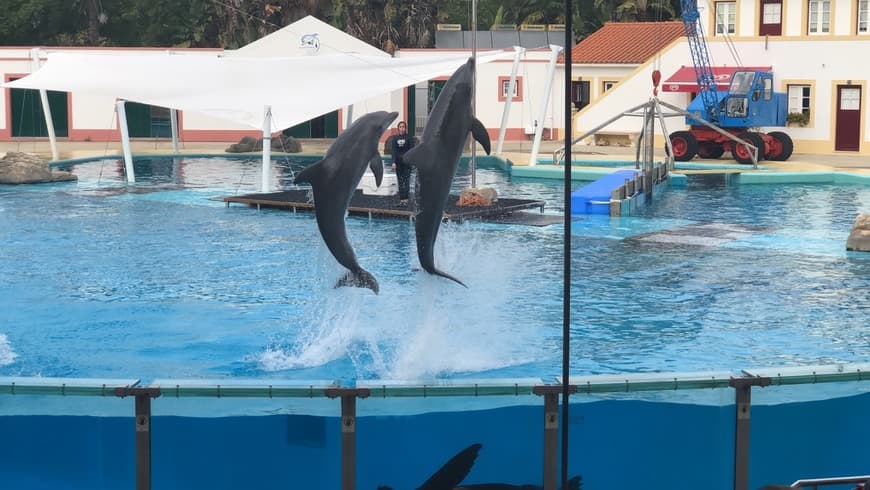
(825, 62)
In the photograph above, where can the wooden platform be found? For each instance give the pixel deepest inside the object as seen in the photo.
(385, 206)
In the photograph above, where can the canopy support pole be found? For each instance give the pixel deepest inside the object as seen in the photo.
(267, 148)
(46, 110)
(125, 142)
(539, 126)
(349, 118)
(173, 122)
(507, 103)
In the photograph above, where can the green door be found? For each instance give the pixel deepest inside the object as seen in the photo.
(325, 126)
(147, 121)
(28, 119)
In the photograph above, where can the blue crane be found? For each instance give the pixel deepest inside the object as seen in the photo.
(749, 102)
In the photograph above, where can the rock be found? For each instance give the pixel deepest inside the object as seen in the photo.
(477, 196)
(859, 239)
(285, 144)
(245, 145)
(23, 168)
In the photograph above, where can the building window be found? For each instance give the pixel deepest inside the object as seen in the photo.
(726, 18)
(503, 86)
(820, 17)
(799, 99)
(607, 85)
(863, 27)
(771, 18)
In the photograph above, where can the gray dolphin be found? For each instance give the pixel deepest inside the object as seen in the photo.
(334, 181)
(437, 156)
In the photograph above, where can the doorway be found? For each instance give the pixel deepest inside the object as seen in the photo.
(848, 126)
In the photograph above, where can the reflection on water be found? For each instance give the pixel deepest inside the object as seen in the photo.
(160, 279)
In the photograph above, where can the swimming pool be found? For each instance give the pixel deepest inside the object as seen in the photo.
(161, 280)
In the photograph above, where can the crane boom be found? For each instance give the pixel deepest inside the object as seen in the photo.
(700, 57)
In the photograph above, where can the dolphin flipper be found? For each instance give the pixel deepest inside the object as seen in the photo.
(377, 166)
(310, 173)
(454, 471)
(359, 279)
(480, 134)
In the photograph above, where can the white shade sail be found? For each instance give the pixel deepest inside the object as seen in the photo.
(237, 88)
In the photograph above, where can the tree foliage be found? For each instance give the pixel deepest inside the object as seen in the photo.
(387, 24)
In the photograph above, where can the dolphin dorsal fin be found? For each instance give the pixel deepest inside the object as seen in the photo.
(478, 131)
(310, 173)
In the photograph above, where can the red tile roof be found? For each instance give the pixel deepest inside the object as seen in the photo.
(626, 42)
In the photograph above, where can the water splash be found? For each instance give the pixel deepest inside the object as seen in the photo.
(7, 355)
(420, 326)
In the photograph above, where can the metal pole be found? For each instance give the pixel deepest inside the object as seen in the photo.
(539, 129)
(473, 163)
(566, 253)
(143, 431)
(125, 142)
(743, 389)
(507, 103)
(173, 123)
(46, 109)
(265, 183)
(348, 431)
(349, 119)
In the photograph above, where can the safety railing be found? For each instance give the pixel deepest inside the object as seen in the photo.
(742, 382)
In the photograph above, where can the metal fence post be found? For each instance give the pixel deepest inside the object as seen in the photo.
(743, 389)
(551, 432)
(143, 431)
(348, 431)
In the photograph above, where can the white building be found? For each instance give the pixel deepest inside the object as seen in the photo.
(815, 49)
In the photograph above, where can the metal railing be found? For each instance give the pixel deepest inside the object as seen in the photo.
(742, 382)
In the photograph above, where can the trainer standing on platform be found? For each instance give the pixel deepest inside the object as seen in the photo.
(402, 142)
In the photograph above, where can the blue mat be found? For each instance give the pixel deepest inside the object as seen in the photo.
(594, 198)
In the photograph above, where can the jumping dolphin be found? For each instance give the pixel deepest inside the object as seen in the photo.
(437, 156)
(334, 180)
(454, 471)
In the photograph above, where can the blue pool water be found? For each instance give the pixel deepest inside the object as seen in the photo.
(161, 280)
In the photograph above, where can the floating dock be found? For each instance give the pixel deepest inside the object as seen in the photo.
(618, 193)
(388, 206)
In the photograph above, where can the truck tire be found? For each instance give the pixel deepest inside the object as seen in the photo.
(741, 153)
(685, 145)
(710, 150)
(782, 146)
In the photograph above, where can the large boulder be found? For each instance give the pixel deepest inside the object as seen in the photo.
(24, 168)
(859, 239)
(280, 142)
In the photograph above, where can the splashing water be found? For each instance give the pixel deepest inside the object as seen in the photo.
(7, 355)
(420, 326)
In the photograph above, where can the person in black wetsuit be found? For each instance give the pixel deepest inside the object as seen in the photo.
(402, 142)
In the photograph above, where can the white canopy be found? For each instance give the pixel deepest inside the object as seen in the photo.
(237, 88)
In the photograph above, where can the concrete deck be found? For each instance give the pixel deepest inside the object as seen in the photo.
(517, 152)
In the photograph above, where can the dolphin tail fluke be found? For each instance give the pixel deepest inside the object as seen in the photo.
(448, 276)
(310, 173)
(480, 134)
(359, 279)
(454, 471)
(377, 166)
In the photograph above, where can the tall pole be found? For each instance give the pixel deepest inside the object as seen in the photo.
(473, 164)
(46, 109)
(507, 103)
(265, 182)
(566, 254)
(125, 142)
